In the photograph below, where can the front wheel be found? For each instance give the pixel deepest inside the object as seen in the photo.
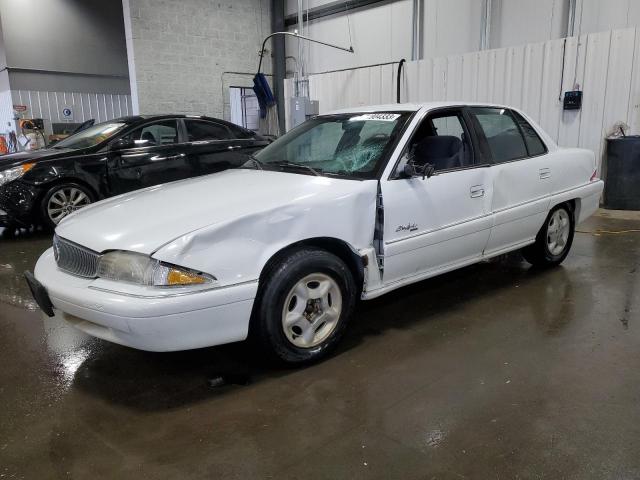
(554, 239)
(304, 305)
(63, 199)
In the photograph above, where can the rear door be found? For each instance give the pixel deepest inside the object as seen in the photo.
(214, 147)
(434, 224)
(521, 176)
(151, 154)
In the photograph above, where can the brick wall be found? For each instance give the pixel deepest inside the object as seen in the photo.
(179, 49)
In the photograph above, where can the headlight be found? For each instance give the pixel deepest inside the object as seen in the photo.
(14, 173)
(137, 268)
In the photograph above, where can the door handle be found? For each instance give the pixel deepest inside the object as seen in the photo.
(233, 147)
(476, 191)
(164, 159)
(545, 173)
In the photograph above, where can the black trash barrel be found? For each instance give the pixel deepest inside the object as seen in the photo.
(622, 183)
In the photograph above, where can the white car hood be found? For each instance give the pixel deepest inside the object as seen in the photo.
(145, 220)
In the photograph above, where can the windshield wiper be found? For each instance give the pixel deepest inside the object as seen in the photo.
(316, 172)
(259, 165)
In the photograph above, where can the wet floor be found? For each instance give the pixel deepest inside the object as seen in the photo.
(494, 371)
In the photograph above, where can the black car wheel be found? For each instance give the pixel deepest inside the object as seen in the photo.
(63, 199)
(554, 239)
(304, 306)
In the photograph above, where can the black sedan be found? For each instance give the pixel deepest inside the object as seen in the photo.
(115, 157)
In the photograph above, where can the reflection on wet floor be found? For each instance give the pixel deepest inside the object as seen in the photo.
(19, 252)
(497, 370)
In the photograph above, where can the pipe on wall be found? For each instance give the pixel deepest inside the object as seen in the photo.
(485, 26)
(279, 61)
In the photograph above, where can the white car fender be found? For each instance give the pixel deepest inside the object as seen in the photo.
(237, 250)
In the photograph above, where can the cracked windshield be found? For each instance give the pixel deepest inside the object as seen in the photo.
(350, 144)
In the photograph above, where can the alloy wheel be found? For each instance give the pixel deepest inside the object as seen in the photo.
(558, 231)
(312, 310)
(65, 201)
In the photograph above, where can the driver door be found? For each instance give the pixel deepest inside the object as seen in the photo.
(436, 224)
(149, 155)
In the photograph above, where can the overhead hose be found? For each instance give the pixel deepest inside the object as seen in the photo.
(398, 80)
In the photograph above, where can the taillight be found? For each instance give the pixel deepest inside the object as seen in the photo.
(594, 176)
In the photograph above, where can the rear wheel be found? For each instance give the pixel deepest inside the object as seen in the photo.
(554, 239)
(305, 303)
(63, 199)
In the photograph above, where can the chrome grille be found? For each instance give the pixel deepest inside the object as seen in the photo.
(75, 259)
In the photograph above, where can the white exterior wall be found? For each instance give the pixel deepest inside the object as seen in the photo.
(380, 33)
(517, 22)
(528, 77)
(49, 105)
(598, 15)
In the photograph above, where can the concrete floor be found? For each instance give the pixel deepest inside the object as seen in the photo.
(494, 371)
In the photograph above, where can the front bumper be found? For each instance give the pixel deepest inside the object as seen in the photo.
(154, 323)
(18, 204)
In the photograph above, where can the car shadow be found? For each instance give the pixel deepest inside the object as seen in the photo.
(158, 381)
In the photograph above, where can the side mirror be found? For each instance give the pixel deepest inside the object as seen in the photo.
(122, 144)
(411, 170)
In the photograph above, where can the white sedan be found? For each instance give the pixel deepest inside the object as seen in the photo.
(348, 205)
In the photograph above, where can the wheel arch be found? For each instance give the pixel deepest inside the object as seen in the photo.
(45, 187)
(341, 249)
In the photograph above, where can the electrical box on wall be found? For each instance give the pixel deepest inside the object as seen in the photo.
(301, 109)
(572, 100)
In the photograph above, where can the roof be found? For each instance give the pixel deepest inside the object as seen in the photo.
(134, 119)
(412, 107)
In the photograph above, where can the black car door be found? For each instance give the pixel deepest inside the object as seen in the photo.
(151, 154)
(214, 147)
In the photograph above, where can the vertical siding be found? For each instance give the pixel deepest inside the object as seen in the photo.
(605, 65)
(49, 105)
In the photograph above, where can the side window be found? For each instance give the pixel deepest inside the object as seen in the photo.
(198, 131)
(241, 132)
(533, 141)
(442, 141)
(154, 134)
(502, 134)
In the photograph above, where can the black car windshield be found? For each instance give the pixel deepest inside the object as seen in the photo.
(352, 145)
(91, 136)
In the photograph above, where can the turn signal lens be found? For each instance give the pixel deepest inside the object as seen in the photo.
(178, 277)
(27, 166)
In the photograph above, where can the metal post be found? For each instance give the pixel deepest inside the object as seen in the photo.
(485, 27)
(571, 26)
(279, 66)
(416, 49)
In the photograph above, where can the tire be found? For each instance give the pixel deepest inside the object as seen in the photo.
(303, 306)
(554, 239)
(62, 199)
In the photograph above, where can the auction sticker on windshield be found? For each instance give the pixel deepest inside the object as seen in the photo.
(383, 117)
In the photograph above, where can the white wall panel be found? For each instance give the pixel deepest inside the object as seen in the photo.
(595, 84)
(85, 106)
(605, 65)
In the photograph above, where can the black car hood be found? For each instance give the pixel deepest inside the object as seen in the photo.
(13, 159)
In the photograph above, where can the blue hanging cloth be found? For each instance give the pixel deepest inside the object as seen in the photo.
(263, 93)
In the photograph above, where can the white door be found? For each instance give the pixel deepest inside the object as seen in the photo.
(521, 177)
(437, 223)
